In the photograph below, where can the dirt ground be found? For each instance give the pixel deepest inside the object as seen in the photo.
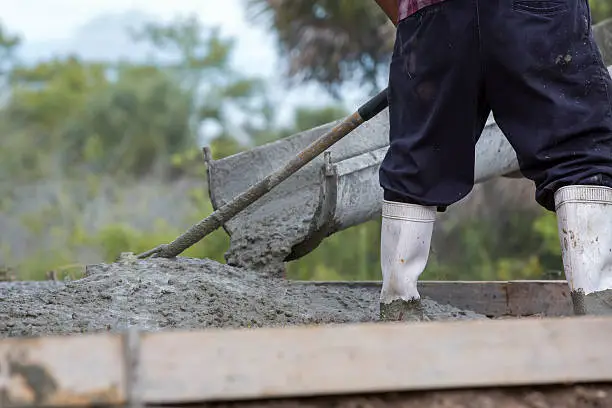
(591, 396)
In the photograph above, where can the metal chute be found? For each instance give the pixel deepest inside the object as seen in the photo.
(335, 191)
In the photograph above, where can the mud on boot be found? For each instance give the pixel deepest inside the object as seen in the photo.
(401, 310)
(594, 304)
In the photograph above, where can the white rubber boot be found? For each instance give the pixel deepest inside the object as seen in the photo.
(404, 250)
(584, 217)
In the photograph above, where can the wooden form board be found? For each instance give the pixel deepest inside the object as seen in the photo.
(230, 365)
(492, 298)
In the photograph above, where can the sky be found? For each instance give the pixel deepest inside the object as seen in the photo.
(95, 29)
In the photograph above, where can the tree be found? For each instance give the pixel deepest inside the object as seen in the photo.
(329, 41)
(8, 44)
(39, 102)
(132, 126)
(199, 58)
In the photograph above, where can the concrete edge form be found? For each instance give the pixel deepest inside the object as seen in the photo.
(182, 367)
(550, 298)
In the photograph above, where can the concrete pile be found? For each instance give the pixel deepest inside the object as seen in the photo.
(160, 294)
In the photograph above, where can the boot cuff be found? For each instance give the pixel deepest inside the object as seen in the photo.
(408, 212)
(583, 194)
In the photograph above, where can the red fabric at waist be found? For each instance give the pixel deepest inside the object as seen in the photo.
(409, 7)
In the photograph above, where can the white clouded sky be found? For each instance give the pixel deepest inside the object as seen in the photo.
(56, 19)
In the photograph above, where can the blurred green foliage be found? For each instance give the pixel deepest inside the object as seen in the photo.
(102, 158)
(600, 10)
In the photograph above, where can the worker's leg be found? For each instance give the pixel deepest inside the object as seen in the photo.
(550, 94)
(404, 249)
(437, 112)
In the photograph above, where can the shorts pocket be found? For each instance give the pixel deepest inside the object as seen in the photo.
(543, 7)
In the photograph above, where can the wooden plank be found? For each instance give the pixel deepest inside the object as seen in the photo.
(539, 297)
(62, 371)
(488, 298)
(492, 298)
(186, 367)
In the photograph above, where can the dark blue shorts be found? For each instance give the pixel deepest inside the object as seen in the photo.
(533, 63)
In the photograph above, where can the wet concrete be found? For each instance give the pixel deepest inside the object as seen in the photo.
(271, 229)
(596, 303)
(159, 294)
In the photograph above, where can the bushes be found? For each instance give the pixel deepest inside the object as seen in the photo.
(64, 230)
